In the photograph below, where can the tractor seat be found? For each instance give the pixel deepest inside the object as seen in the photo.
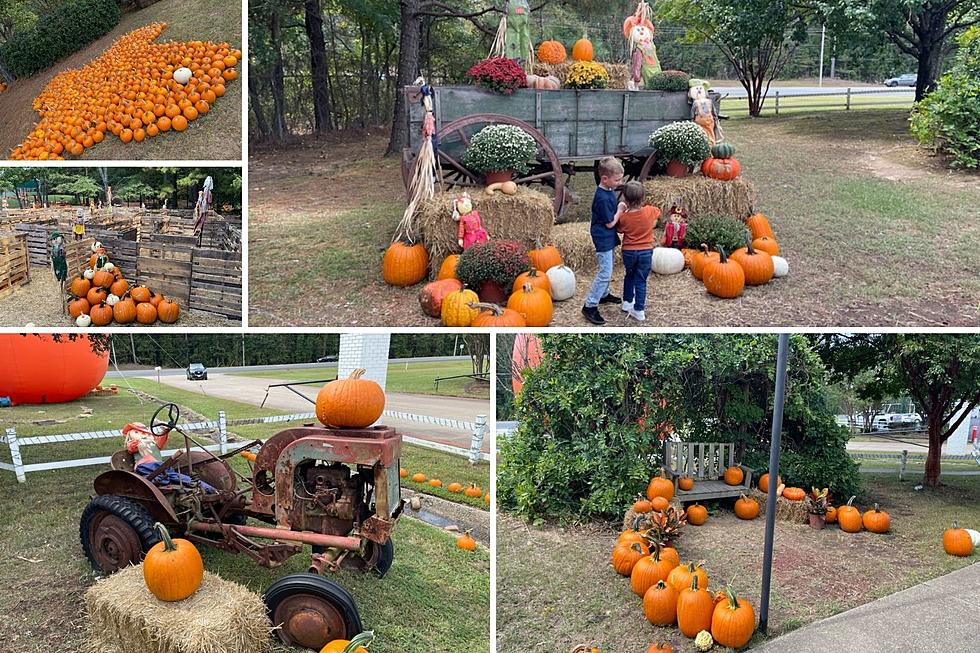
(123, 460)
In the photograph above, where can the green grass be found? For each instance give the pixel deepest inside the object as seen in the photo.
(435, 597)
(414, 378)
(916, 465)
(541, 571)
(738, 107)
(448, 469)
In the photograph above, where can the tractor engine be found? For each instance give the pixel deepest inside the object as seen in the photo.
(329, 498)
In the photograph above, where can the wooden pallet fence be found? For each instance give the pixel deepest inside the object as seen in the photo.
(216, 282)
(37, 241)
(124, 254)
(78, 253)
(14, 266)
(165, 267)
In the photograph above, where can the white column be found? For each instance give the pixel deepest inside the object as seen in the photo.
(364, 350)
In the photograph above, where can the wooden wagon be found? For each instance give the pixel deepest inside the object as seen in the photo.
(573, 129)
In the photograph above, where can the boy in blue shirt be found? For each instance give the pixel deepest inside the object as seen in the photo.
(605, 208)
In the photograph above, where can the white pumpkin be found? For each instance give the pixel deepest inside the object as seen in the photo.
(108, 267)
(112, 300)
(780, 266)
(974, 535)
(182, 75)
(83, 320)
(667, 260)
(562, 279)
(88, 274)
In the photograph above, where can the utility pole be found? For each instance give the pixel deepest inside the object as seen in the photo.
(823, 37)
(243, 350)
(132, 343)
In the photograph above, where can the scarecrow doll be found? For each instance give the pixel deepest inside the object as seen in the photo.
(676, 226)
(471, 229)
(639, 31)
(513, 38)
(703, 111)
(78, 226)
(58, 261)
(145, 447)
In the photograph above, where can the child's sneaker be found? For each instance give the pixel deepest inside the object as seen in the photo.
(627, 307)
(639, 316)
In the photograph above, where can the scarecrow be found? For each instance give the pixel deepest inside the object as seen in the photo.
(78, 226)
(639, 31)
(146, 447)
(513, 39)
(108, 198)
(471, 229)
(703, 111)
(676, 226)
(58, 261)
(202, 207)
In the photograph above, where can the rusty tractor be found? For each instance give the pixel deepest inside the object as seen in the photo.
(336, 490)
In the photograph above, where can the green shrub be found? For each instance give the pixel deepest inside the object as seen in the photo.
(591, 413)
(58, 34)
(715, 230)
(948, 119)
(671, 81)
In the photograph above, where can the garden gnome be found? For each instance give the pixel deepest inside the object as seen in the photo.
(703, 111)
(639, 31)
(517, 32)
(676, 225)
(471, 229)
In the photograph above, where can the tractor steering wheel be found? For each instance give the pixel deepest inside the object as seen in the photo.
(159, 426)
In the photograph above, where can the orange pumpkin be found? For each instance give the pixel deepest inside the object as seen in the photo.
(732, 621)
(700, 260)
(659, 504)
(545, 257)
(146, 313)
(660, 606)
(626, 554)
(101, 314)
(552, 52)
(168, 311)
(695, 608)
(734, 475)
(746, 508)
(583, 50)
(173, 569)
(685, 483)
(697, 514)
(533, 304)
(831, 516)
(432, 295)
(724, 278)
(766, 244)
(140, 294)
(764, 482)
(447, 270)
(794, 494)
(124, 311)
(80, 286)
(78, 307)
(534, 277)
(759, 226)
(659, 486)
(353, 403)
(119, 288)
(405, 264)
(96, 296)
(648, 571)
(494, 317)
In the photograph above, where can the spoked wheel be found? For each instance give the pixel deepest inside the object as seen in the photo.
(115, 532)
(377, 558)
(636, 168)
(311, 611)
(455, 137)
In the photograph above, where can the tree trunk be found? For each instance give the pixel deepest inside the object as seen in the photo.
(255, 104)
(318, 66)
(931, 478)
(930, 57)
(278, 92)
(408, 65)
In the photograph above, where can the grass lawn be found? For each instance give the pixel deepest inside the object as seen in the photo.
(112, 412)
(216, 136)
(558, 579)
(855, 205)
(435, 597)
(738, 107)
(415, 378)
(916, 465)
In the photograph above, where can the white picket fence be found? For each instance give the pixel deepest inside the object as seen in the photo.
(478, 428)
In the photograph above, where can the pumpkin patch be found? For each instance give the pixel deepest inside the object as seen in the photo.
(101, 295)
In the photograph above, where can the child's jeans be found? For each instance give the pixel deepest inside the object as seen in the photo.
(638, 263)
(603, 275)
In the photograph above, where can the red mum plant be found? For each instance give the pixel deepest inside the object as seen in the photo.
(498, 74)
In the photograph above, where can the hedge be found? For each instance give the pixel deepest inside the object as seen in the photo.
(58, 34)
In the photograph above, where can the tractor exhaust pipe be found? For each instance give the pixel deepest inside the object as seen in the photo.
(317, 539)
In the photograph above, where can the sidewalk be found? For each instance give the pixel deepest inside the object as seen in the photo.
(938, 615)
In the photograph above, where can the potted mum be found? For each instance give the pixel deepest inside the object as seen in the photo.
(817, 505)
(498, 151)
(682, 145)
(498, 74)
(586, 75)
(490, 268)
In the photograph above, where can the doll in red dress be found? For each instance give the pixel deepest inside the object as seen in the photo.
(676, 225)
(471, 229)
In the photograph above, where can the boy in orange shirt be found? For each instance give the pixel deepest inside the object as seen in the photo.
(636, 222)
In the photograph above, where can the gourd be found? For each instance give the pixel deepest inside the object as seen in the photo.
(108, 267)
(780, 266)
(649, 570)
(505, 187)
(746, 508)
(493, 316)
(405, 264)
(732, 621)
(466, 542)
(583, 50)
(552, 52)
(545, 257)
(351, 403)
(848, 517)
(723, 150)
(83, 320)
(88, 274)
(168, 311)
(534, 277)
(457, 308)
(694, 609)
(447, 270)
(173, 569)
(543, 82)
(794, 494)
(957, 541)
(876, 520)
(697, 514)
(434, 293)
(734, 475)
(660, 486)
(112, 300)
(534, 304)
(660, 604)
(724, 278)
(667, 260)
(562, 281)
(704, 642)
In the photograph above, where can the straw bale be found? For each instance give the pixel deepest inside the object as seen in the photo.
(792, 511)
(702, 195)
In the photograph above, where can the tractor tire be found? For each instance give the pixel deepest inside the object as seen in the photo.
(115, 532)
(386, 556)
(376, 559)
(310, 611)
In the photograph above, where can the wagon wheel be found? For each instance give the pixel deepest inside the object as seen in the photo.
(547, 171)
(311, 610)
(637, 168)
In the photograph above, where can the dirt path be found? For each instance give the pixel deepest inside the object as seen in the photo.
(876, 231)
(216, 136)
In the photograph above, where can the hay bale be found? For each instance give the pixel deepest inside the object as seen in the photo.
(795, 512)
(575, 244)
(619, 73)
(526, 217)
(703, 196)
(221, 617)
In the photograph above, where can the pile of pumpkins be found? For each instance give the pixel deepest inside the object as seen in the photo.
(101, 296)
(531, 303)
(553, 52)
(474, 491)
(676, 593)
(136, 89)
(723, 275)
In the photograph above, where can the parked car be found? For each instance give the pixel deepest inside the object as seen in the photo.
(908, 79)
(197, 372)
(894, 417)
(327, 359)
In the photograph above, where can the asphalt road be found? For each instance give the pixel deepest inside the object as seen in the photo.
(252, 390)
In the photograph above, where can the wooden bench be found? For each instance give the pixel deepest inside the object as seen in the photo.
(705, 462)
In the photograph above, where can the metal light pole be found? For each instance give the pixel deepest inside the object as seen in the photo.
(777, 428)
(823, 36)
